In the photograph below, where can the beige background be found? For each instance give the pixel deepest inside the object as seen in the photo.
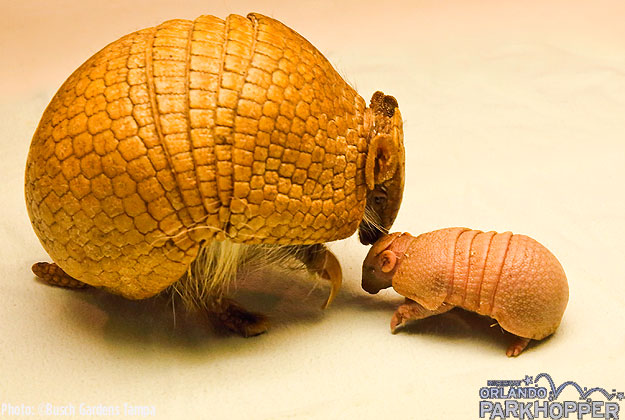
(514, 120)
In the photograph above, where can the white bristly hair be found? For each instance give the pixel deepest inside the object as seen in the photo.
(218, 263)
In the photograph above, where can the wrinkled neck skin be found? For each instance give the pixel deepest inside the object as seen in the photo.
(373, 278)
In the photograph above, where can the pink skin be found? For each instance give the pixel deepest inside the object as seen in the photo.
(511, 278)
(411, 310)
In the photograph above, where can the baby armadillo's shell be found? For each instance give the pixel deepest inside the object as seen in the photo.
(533, 292)
(511, 278)
(194, 130)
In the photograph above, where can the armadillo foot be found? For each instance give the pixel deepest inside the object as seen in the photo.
(322, 262)
(411, 310)
(55, 276)
(517, 346)
(331, 271)
(231, 315)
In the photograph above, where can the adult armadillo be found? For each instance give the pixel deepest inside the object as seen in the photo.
(511, 278)
(178, 153)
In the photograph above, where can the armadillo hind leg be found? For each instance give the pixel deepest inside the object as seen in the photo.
(55, 276)
(411, 310)
(518, 345)
(209, 278)
(229, 314)
(219, 263)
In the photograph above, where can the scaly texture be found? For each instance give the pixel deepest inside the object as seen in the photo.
(207, 130)
(53, 275)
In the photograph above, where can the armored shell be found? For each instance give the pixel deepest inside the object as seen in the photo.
(190, 131)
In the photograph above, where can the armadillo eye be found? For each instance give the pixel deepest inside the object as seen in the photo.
(379, 200)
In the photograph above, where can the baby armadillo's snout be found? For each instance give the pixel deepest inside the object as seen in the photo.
(371, 281)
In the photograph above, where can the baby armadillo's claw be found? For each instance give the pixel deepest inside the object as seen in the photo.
(411, 310)
(397, 322)
(331, 271)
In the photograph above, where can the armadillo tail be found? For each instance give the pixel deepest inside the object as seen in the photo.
(55, 276)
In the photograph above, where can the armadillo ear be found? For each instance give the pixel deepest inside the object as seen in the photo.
(381, 161)
(388, 259)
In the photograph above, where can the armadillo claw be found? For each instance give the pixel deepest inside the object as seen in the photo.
(331, 271)
(55, 276)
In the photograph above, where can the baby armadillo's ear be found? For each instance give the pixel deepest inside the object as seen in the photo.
(381, 161)
(388, 260)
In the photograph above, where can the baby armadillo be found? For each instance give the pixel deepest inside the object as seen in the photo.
(511, 278)
(178, 153)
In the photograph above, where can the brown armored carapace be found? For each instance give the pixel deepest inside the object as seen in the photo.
(178, 153)
(511, 278)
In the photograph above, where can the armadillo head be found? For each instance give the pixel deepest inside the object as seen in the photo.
(382, 261)
(384, 167)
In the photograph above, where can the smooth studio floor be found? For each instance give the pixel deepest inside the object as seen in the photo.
(514, 120)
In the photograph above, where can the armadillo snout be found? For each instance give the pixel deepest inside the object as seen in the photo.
(369, 233)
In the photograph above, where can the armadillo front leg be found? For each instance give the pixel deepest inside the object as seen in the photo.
(234, 317)
(411, 310)
(321, 261)
(55, 276)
